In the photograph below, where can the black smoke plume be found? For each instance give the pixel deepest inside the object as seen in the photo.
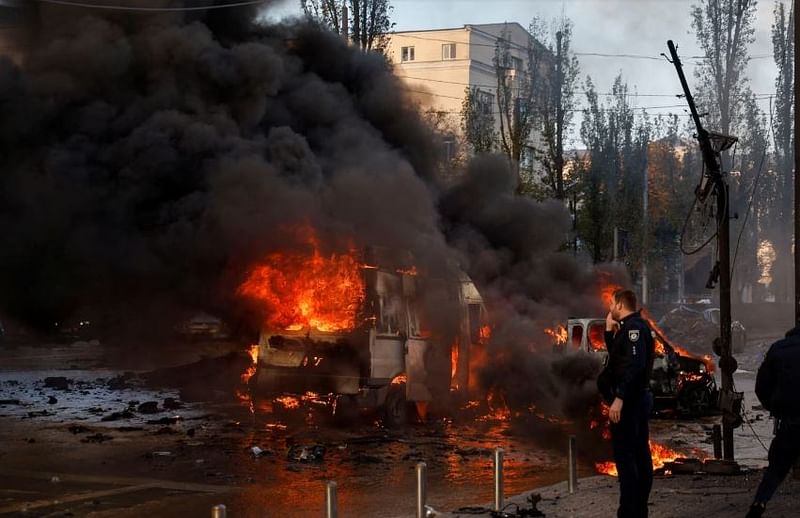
(147, 160)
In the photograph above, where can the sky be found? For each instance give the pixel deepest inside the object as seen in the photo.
(640, 27)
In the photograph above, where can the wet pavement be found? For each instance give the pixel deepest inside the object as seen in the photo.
(94, 450)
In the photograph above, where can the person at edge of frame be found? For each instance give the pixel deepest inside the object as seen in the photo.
(778, 390)
(624, 385)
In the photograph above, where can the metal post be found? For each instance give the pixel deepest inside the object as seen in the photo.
(573, 465)
(727, 363)
(716, 439)
(498, 479)
(422, 489)
(332, 509)
(218, 511)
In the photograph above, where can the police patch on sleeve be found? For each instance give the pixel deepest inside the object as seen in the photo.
(633, 335)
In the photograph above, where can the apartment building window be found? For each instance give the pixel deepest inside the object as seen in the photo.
(449, 144)
(516, 64)
(407, 54)
(449, 51)
(485, 102)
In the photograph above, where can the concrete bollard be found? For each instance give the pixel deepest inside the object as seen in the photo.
(572, 459)
(498, 479)
(422, 489)
(331, 506)
(218, 511)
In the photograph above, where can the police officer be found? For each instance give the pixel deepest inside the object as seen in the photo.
(778, 389)
(624, 384)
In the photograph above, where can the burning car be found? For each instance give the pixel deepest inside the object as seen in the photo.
(364, 330)
(680, 380)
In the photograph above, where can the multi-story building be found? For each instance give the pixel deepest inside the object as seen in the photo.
(439, 65)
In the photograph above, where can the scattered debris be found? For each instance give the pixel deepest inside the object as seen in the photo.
(130, 429)
(172, 404)
(40, 413)
(166, 430)
(98, 438)
(9, 402)
(150, 407)
(258, 452)
(77, 429)
(57, 383)
(314, 453)
(161, 454)
(116, 416)
(123, 381)
(52, 400)
(55, 480)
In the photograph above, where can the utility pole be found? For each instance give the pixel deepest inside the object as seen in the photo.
(796, 177)
(713, 182)
(645, 195)
(559, 122)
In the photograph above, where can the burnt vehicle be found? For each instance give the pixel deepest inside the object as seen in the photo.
(394, 356)
(680, 381)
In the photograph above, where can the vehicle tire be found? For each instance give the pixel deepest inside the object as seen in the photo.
(397, 411)
(696, 400)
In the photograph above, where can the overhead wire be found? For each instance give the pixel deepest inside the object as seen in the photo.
(71, 3)
(750, 203)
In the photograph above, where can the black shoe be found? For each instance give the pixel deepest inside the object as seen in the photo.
(756, 510)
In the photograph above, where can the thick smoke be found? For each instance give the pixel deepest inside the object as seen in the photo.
(149, 160)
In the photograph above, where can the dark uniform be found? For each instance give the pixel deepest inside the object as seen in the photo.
(631, 351)
(778, 389)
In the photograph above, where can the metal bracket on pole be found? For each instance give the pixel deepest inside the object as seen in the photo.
(218, 511)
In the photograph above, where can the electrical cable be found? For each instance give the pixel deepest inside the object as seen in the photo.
(70, 3)
(746, 420)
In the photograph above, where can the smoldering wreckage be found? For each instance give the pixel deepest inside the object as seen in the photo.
(159, 165)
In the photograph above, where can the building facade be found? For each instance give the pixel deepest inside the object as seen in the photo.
(438, 66)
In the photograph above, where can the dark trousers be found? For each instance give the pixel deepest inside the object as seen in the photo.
(783, 453)
(630, 440)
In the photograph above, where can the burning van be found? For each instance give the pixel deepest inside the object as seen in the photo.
(680, 380)
(369, 330)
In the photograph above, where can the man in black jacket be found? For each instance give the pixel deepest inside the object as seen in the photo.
(778, 390)
(624, 384)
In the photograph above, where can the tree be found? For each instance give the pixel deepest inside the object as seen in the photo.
(519, 91)
(777, 190)
(477, 120)
(558, 101)
(369, 20)
(724, 30)
(611, 183)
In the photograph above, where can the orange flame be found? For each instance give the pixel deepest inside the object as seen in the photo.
(707, 360)
(486, 333)
(288, 402)
(307, 290)
(454, 364)
(498, 409)
(399, 380)
(597, 340)
(559, 334)
(251, 370)
(659, 453)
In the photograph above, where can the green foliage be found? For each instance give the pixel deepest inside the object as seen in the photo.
(369, 21)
